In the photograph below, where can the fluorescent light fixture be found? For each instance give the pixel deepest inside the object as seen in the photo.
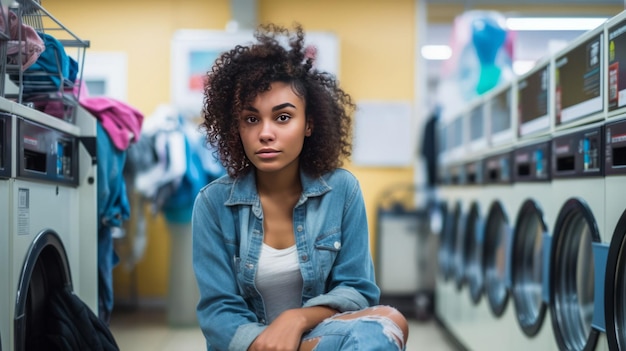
(436, 52)
(554, 23)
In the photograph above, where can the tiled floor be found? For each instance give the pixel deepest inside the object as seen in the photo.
(147, 329)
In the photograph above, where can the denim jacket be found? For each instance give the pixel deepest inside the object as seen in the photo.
(330, 228)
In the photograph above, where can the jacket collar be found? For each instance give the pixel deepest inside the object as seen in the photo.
(244, 192)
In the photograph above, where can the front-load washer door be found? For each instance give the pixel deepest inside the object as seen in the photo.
(459, 248)
(446, 242)
(527, 269)
(495, 258)
(473, 253)
(572, 277)
(45, 270)
(615, 288)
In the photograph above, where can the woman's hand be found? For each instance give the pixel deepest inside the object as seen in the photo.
(285, 332)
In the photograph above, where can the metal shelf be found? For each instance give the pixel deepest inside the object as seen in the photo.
(51, 84)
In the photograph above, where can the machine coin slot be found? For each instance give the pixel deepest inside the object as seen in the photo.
(471, 178)
(494, 174)
(523, 169)
(34, 161)
(566, 163)
(619, 156)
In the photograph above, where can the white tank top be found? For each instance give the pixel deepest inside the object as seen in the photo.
(279, 281)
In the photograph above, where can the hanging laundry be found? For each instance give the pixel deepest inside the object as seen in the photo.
(119, 125)
(121, 121)
(167, 168)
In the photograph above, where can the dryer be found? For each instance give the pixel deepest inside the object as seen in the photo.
(52, 228)
(529, 262)
(578, 193)
(615, 234)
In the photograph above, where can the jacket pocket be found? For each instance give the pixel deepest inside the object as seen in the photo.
(327, 247)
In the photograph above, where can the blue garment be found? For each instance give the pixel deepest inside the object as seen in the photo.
(332, 240)
(58, 66)
(199, 172)
(113, 209)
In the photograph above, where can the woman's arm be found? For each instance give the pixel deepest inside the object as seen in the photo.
(351, 282)
(223, 314)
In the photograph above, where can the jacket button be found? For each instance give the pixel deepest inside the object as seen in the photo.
(305, 258)
(299, 228)
(337, 245)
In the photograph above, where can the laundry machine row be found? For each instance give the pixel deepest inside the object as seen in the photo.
(49, 229)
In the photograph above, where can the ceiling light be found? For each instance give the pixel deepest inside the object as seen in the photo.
(436, 52)
(554, 23)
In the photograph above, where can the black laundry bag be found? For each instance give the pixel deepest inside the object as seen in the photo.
(71, 325)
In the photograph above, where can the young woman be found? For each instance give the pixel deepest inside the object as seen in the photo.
(281, 246)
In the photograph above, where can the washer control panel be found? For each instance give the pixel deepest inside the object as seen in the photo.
(46, 154)
(5, 144)
(579, 153)
(615, 150)
(532, 163)
(497, 169)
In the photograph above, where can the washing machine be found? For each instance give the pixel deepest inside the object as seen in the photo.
(447, 298)
(446, 193)
(576, 276)
(469, 249)
(615, 171)
(6, 120)
(529, 264)
(615, 234)
(494, 236)
(52, 220)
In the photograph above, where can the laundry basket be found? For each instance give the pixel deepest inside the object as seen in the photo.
(406, 249)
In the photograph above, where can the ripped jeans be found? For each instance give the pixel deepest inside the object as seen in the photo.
(371, 332)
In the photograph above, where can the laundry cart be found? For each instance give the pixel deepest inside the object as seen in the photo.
(406, 249)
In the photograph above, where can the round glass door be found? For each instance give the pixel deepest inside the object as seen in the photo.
(46, 270)
(446, 241)
(527, 269)
(497, 232)
(572, 277)
(473, 253)
(459, 250)
(615, 288)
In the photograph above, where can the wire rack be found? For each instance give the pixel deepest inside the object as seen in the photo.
(53, 83)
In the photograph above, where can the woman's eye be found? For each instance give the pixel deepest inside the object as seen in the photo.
(250, 119)
(283, 118)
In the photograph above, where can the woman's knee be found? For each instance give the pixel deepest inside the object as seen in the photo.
(384, 314)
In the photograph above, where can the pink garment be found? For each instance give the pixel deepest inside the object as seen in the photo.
(29, 47)
(121, 121)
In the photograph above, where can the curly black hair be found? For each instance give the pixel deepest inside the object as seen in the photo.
(241, 73)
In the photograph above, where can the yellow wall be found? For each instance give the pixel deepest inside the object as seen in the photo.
(377, 63)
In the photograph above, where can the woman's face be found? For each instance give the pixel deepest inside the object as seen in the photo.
(273, 128)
